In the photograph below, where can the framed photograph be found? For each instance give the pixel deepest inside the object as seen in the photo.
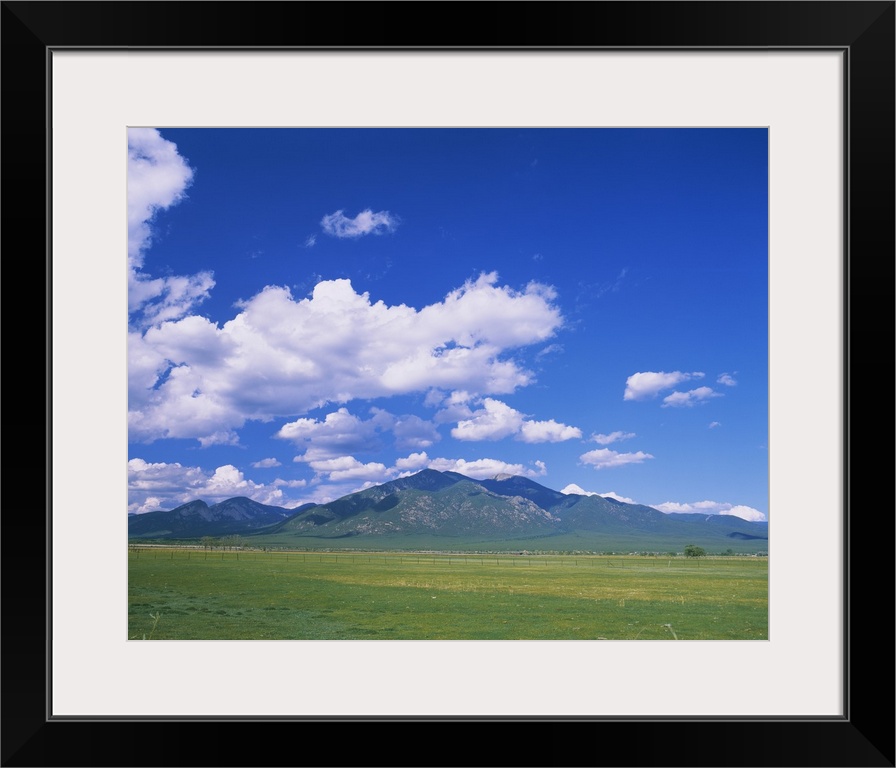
(722, 129)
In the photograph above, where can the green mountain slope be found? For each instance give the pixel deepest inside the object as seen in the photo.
(461, 508)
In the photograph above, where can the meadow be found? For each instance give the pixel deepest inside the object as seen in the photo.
(201, 594)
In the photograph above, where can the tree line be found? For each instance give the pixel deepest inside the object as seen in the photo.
(221, 542)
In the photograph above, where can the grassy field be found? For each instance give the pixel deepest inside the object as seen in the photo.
(183, 594)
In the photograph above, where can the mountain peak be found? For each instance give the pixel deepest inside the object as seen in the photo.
(427, 472)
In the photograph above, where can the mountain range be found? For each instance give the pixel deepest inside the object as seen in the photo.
(447, 510)
(197, 519)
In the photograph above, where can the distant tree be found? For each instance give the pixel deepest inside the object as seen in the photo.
(694, 551)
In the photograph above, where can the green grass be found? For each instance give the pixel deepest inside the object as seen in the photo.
(581, 541)
(216, 595)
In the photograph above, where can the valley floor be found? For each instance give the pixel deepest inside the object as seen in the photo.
(195, 594)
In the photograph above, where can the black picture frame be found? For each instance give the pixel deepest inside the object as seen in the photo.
(864, 31)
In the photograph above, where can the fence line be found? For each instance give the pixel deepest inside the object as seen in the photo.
(452, 560)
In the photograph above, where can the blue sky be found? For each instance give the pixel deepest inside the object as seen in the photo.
(314, 311)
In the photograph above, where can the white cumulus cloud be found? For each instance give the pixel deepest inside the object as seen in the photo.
(265, 463)
(642, 385)
(279, 357)
(712, 508)
(289, 483)
(577, 490)
(153, 486)
(341, 432)
(689, 399)
(413, 462)
(604, 458)
(623, 499)
(222, 437)
(727, 379)
(745, 512)
(481, 469)
(348, 468)
(497, 420)
(547, 432)
(613, 437)
(413, 432)
(149, 504)
(709, 507)
(158, 178)
(365, 223)
(337, 434)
